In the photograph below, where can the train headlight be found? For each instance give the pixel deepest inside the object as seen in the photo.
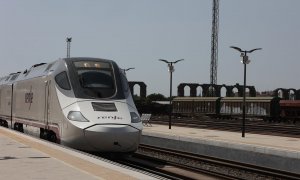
(76, 116)
(134, 117)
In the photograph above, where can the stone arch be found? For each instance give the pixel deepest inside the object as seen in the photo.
(235, 92)
(205, 89)
(187, 90)
(143, 88)
(240, 89)
(223, 91)
(292, 96)
(193, 89)
(199, 90)
(285, 93)
(217, 90)
(180, 89)
(229, 91)
(252, 91)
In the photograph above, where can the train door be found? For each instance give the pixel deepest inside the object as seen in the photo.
(48, 133)
(11, 106)
(6, 105)
(47, 104)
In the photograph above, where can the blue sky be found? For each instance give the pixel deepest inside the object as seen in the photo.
(136, 33)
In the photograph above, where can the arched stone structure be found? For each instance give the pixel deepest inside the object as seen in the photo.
(285, 93)
(217, 90)
(143, 88)
(289, 92)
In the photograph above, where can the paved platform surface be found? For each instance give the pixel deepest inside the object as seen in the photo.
(27, 158)
(282, 153)
(277, 142)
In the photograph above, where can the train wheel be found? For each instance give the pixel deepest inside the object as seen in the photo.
(3, 123)
(52, 136)
(43, 134)
(15, 126)
(6, 124)
(20, 128)
(48, 135)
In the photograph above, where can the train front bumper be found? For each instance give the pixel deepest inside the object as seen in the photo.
(112, 138)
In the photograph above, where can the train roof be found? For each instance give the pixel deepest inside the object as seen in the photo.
(255, 99)
(196, 98)
(40, 69)
(227, 99)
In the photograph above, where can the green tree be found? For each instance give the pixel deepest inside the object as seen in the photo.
(156, 97)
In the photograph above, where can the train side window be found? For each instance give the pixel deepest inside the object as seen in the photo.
(63, 81)
(125, 85)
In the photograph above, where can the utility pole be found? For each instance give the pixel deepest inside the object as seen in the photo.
(214, 45)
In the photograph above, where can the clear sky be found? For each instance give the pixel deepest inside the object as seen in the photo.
(136, 33)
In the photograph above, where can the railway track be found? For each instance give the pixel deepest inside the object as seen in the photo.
(194, 166)
(252, 126)
(160, 165)
(171, 164)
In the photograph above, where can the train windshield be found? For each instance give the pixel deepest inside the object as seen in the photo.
(96, 78)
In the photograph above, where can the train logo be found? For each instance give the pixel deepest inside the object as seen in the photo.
(29, 97)
(110, 117)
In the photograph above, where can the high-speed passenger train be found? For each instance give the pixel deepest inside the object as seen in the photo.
(84, 103)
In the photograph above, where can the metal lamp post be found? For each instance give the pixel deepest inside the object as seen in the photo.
(68, 40)
(171, 70)
(245, 61)
(127, 69)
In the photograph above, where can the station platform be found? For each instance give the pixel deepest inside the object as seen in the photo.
(25, 157)
(282, 153)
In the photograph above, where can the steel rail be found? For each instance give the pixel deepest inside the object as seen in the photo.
(232, 169)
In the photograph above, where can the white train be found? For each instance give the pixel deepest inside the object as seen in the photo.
(84, 103)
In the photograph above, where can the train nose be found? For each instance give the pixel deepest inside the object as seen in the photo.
(119, 138)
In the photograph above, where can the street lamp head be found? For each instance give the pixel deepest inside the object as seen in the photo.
(169, 62)
(245, 60)
(129, 69)
(171, 68)
(163, 60)
(236, 48)
(244, 52)
(178, 61)
(69, 39)
(254, 50)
